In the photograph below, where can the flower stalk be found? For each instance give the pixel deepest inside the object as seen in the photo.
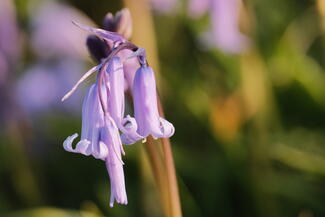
(160, 154)
(175, 205)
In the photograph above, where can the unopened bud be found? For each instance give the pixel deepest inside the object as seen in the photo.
(97, 47)
(120, 23)
(109, 23)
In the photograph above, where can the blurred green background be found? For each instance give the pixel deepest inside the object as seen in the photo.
(250, 127)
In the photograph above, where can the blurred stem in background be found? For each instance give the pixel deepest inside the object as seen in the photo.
(321, 10)
(150, 194)
(161, 160)
(259, 105)
(252, 103)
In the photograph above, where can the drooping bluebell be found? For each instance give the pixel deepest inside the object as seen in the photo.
(105, 126)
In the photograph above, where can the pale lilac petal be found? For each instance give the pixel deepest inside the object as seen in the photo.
(87, 105)
(115, 85)
(110, 136)
(67, 144)
(145, 102)
(96, 121)
(82, 147)
(145, 106)
(166, 127)
(92, 115)
(92, 124)
(130, 67)
(104, 34)
(115, 81)
(101, 152)
(129, 131)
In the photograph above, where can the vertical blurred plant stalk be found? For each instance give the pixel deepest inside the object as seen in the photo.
(256, 91)
(161, 157)
(321, 11)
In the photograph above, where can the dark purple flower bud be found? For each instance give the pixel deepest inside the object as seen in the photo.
(97, 47)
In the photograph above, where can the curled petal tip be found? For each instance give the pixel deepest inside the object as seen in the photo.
(167, 128)
(67, 144)
(102, 152)
(129, 131)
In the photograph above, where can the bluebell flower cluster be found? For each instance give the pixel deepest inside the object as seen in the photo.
(105, 126)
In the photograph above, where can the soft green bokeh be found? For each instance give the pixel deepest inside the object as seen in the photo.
(250, 128)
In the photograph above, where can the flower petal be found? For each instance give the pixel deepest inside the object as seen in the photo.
(145, 106)
(129, 131)
(82, 147)
(130, 66)
(104, 34)
(115, 79)
(87, 108)
(67, 144)
(101, 152)
(110, 136)
(166, 127)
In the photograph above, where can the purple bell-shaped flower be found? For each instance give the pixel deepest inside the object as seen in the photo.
(145, 106)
